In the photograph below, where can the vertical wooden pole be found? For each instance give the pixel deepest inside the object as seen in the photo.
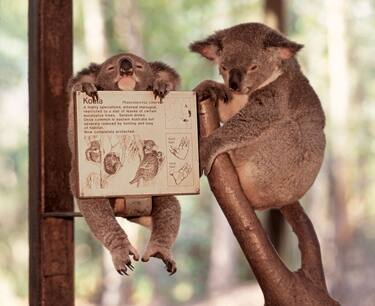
(51, 263)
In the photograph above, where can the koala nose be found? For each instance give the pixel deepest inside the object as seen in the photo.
(235, 78)
(126, 67)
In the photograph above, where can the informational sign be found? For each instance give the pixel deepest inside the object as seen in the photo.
(131, 144)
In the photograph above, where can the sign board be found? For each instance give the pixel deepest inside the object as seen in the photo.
(131, 144)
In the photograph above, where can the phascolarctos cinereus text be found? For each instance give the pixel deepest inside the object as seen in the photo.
(125, 72)
(272, 119)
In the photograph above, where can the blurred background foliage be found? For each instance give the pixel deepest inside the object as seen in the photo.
(339, 39)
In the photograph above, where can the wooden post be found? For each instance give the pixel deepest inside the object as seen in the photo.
(51, 272)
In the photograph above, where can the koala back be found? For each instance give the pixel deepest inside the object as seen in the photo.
(286, 157)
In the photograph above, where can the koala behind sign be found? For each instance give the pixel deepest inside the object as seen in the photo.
(125, 72)
(273, 120)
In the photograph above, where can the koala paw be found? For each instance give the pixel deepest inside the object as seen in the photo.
(160, 88)
(121, 259)
(162, 253)
(214, 91)
(90, 90)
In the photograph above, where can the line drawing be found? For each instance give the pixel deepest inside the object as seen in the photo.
(109, 154)
(181, 174)
(149, 165)
(179, 115)
(182, 150)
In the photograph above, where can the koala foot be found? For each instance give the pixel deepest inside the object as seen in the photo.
(162, 253)
(160, 89)
(214, 91)
(121, 259)
(91, 90)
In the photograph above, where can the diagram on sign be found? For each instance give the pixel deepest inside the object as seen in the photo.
(150, 163)
(108, 154)
(181, 174)
(179, 159)
(181, 151)
(178, 116)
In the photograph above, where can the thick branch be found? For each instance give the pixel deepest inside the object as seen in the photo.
(308, 243)
(268, 268)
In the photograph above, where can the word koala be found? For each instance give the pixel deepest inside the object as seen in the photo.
(273, 120)
(126, 72)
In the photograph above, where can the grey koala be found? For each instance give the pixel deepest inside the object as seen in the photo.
(273, 119)
(126, 72)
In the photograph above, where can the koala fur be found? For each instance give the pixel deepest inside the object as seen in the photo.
(126, 72)
(273, 119)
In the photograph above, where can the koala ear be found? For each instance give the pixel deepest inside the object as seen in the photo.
(285, 47)
(209, 48)
(166, 73)
(88, 74)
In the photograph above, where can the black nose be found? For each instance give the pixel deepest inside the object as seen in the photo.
(126, 67)
(235, 78)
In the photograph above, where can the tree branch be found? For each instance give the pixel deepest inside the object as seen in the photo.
(267, 266)
(308, 243)
(280, 286)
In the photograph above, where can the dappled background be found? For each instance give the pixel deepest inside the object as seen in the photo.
(338, 58)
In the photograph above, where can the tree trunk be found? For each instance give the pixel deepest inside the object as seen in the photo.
(223, 253)
(127, 27)
(94, 33)
(274, 16)
(222, 258)
(338, 162)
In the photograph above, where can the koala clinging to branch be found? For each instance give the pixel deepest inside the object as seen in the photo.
(273, 120)
(126, 72)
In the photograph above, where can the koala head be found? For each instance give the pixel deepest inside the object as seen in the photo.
(127, 71)
(248, 55)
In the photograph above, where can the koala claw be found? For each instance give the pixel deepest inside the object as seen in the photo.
(160, 89)
(91, 90)
(162, 253)
(214, 91)
(121, 259)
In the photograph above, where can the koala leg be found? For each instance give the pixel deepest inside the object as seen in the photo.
(165, 216)
(99, 216)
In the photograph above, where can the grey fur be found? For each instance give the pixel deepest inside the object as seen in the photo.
(165, 216)
(275, 140)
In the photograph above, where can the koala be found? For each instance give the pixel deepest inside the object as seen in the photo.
(273, 122)
(125, 72)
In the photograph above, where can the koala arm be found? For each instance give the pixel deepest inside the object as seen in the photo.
(165, 73)
(86, 75)
(85, 81)
(166, 79)
(241, 130)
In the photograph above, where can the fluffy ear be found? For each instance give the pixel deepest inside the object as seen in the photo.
(88, 75)
(285, 47)
(166, 73)
(209, 48)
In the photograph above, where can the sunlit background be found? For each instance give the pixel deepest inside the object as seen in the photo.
(338, 58)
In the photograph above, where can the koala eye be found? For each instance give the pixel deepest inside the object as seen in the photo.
(139, 66)
(223, 68)
(253, 67)
(111, 68)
